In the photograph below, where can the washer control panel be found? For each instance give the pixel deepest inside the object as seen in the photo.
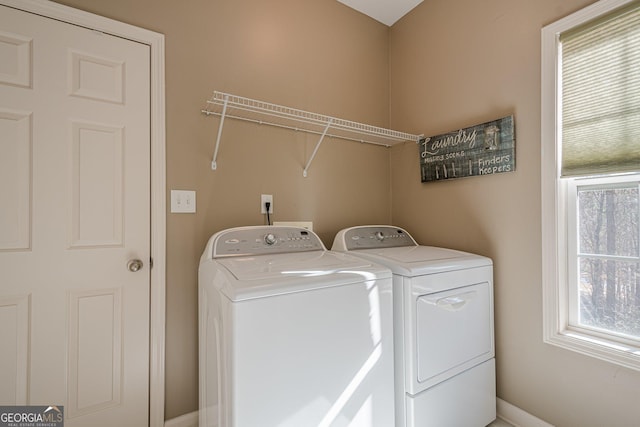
(245, 241)
(372, 237)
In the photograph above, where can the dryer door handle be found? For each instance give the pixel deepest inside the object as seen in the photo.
(455, 302)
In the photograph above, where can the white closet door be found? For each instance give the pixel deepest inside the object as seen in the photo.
(74, 191)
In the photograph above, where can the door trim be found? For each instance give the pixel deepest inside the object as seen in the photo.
(158, 177)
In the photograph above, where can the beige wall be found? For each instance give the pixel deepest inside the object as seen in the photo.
(453, 67)
(444, 66)
(316, 55)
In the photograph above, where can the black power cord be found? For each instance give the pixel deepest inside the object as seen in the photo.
(267, 205)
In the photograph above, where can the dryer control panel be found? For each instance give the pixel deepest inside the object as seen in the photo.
(372, 237)
(263, 240)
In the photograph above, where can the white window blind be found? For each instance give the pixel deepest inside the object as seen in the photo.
(600, 77)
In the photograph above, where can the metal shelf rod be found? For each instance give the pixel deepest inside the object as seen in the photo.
(315, 150)
(214, 164)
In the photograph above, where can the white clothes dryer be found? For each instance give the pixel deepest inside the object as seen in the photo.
(292, 335)
(443, 327)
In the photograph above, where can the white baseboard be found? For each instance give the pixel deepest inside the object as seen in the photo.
(508, 412)
(518, 417)
(186, 420)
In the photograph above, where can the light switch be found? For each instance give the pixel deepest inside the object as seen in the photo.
(183, 201)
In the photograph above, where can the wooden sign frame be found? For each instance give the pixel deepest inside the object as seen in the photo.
(484, 149)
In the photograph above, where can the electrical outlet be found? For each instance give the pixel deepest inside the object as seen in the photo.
(264, 198)
(183, 201)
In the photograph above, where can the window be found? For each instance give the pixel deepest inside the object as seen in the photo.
(604, 274)
(591, 181)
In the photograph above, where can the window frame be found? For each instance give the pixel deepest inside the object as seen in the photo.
(556, 199)
(630, 181)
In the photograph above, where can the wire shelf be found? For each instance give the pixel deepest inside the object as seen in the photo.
(231, 106)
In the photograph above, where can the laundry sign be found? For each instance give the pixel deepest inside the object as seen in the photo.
(484, 149)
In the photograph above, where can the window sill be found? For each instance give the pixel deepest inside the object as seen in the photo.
(609, 351)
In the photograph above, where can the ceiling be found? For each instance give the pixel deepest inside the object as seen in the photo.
(385, 11)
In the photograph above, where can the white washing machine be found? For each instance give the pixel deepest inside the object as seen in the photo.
(292, 335)
(443, 327)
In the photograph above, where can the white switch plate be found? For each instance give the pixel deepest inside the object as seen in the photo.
(183, 201)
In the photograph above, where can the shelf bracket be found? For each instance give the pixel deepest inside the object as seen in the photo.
(315, 150)
(214, 164)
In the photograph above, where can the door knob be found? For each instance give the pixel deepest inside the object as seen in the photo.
(134, 265)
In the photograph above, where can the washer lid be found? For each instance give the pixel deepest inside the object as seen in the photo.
(267, 275)
(419, 260)
(290, 265)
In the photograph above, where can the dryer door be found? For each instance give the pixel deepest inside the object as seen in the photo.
(454, 332)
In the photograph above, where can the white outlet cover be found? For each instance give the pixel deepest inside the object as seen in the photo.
(183, 201)
(263, 199)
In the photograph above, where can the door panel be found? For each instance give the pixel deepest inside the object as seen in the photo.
(14, 334)
(15, 63)
(97, 167)
(96, 77)
(15, 180)
(95, 350)
(74, 169)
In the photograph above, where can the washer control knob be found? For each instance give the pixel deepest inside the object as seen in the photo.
(270, 239)
(379, 236)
